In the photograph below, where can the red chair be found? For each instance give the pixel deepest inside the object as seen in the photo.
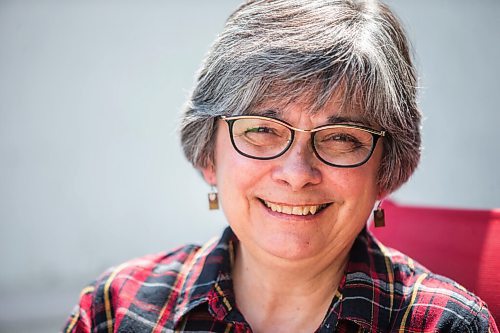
(463, 245)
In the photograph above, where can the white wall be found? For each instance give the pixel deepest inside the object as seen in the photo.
(457, 51)
(91, 172)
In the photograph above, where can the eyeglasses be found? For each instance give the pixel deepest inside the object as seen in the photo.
(338, 145)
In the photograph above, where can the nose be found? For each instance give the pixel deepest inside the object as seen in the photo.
(297, 168)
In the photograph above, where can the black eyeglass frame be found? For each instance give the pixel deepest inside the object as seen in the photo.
(230, 120)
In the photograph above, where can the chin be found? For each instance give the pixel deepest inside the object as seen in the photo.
(290, 246)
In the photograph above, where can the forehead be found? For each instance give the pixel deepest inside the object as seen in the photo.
(332, 110)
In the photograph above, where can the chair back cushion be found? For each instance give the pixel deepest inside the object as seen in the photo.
(463, 245)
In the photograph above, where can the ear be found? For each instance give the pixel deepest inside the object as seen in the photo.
(208, 173)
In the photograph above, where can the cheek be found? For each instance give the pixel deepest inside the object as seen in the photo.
(363, 180)
(236, 174)
(238, 180)
(356, 195)
(356, 191)
(353, 182)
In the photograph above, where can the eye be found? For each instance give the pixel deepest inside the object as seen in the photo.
(261, 129)
(260, 132)
(345, 140)
(342, 138)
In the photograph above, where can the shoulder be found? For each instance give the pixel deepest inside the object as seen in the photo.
(148, 291)
(163, 263)
(429, 300)
(159, 270)
(142, 284)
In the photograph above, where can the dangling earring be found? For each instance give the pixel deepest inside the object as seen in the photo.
(213, 199)
(379, 216)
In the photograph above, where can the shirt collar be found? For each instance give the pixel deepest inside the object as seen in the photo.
(367, 288)
(365, 295)
(207, 278)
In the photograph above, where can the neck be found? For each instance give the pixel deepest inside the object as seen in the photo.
(276, 294)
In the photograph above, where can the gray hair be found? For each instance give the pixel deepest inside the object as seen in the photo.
(286, 49)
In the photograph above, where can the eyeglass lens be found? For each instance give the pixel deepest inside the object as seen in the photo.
(265, 139)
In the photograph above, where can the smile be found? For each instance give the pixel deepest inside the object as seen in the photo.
(294, 210)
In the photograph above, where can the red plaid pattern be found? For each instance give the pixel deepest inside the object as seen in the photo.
(190, 290)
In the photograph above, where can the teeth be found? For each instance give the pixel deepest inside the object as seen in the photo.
(294, 210)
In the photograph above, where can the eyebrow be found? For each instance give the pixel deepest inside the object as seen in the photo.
(273, 113)
(344, 120)
(331, 120)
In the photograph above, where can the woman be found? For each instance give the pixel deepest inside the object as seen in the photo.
(304, 117)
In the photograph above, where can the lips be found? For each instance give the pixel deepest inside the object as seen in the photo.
(294, 210)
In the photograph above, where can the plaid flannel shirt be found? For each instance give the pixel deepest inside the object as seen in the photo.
(190, 290)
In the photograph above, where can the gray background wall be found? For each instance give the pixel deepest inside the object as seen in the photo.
(91, 172)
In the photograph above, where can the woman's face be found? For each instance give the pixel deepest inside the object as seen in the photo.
(247, 187)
